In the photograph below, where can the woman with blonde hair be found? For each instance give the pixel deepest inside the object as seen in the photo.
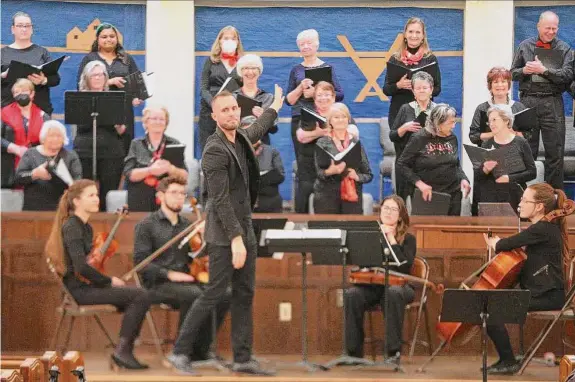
(224, 55)
(68, 248)
(145, 165)
(414, 52)
(338, 187)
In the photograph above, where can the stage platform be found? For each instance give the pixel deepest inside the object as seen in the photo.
(444, 368)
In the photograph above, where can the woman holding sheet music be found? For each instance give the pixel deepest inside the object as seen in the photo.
(119, 63)
(430, 160)
(221, 64)
(338, 187)
(250, 67)
(499, 85)
(493, 182)
(47, 170)
(414, 52)
(23, 50)
(409, 120)
(146, 164)
(109, 146)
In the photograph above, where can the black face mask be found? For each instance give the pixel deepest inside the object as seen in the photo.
(23, 99)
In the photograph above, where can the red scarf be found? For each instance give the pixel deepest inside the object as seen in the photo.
(412, 59)
(12, 116)
(232, 58)
(347, 190)
(151, 180)
(541, 44)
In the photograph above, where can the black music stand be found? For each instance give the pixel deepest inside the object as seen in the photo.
(88, 107)
(482, 307)
(265, 224)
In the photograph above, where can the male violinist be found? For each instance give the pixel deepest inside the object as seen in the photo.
(168, 274)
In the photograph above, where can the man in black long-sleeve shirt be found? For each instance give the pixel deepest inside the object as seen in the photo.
(169, 274)
(541, 85)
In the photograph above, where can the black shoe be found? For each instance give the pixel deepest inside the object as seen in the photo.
(393, 359)
(505, 368)
(180, 362)
(492, 366)
(251, 367)
(127, 361)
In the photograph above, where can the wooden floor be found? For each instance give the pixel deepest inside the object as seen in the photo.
(444, 368)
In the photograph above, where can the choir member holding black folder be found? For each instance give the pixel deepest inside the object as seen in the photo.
(219, 70)
(304, 77)
(24, 51)
(342, 167)
(251, 99)
(504, 164)
(499, 85)
(543, 68)
(430, 160)
(410, 119)
(414, 54)
(151, 158)
(119, 64)
(48, 169)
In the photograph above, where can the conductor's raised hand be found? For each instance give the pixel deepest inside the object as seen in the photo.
(278, 98)
(239, 252)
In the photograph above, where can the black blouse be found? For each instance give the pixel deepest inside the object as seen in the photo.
(213, 77)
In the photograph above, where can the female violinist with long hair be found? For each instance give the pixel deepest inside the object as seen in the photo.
(358, 298)
(69, 244)
(547, 249)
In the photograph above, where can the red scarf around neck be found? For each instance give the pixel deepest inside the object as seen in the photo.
(347, 189)
(232, 58)
(411, 59)
(12, 116)
(541, 44)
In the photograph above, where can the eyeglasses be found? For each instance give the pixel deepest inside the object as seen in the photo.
(420, 88)
(389, 209)
(23, 26)
(491, 121)
(97, 75)
(528, 201)
(181, 194)
(250, 68)
(157, 119)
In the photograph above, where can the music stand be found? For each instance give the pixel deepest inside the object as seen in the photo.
(84, 108)
(483, 307)
(265, 224)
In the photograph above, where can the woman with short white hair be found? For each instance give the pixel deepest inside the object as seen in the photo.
(300, 90)
(250, 67)
(46, 170)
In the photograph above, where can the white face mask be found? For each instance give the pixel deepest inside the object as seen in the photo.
(229, 46)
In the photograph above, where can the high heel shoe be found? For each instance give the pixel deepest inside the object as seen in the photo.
(126, 362)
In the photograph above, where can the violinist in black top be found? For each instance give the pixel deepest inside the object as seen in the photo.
(547, 248)
(144, 165)
(68, 248)
(359, 298)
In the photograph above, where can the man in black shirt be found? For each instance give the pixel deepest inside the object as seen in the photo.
(169, 274)
(541, 84)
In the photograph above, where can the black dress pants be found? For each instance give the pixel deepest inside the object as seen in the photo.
(328, 201)
(359, 298)
(181, 296)
(108, 174)
(551, 127)
(206, 125)
(551, 300)
(222, 273)
(134, 302)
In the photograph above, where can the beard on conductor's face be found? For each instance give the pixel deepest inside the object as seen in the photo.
(226, 113)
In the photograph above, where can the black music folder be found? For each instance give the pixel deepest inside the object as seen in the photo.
(395, 70)
(175, 154)
(19, 69)
(508, 162)
(230, 84)
(246, 104)
(439, 204)
(136, 85)
(323, 73)
(483, 122)
(309, 119)
(525, 120)
(351, 155)
(550, 58)
(421, 118)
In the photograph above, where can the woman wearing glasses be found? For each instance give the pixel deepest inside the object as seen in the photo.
(358, 298)
(119, 63)
(24, 50)
(145, 165)
(491, 185)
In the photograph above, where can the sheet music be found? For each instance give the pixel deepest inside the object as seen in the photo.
(63, 173)
(280, 234)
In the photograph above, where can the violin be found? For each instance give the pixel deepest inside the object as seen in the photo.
(376, 276)
(199, 264)
(104, 246)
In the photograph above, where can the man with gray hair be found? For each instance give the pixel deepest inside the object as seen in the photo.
(543, 67)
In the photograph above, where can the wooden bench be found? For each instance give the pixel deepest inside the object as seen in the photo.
(71, 361)
(48, 359)
(31, 369)
(11, 376)
(566, 367)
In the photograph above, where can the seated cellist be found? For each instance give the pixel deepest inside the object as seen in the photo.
(358, 298)
(546, 247)
(69, 247)
(168, 275)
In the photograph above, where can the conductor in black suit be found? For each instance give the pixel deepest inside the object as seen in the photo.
(232, 177)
